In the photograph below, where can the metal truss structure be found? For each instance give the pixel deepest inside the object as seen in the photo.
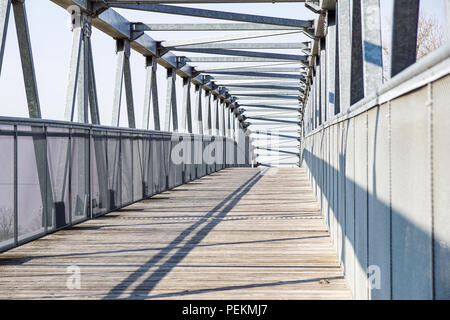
(375, 150)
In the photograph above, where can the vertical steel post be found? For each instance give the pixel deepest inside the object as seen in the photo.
(171, 101)
(404, 34)
(323, 81)
(345, 46)
(129, 87)
(217, 123)
(151, 94)
(372, 46)
(26, 57)
(208, 111)
(117, 100)
(331, 64)
(16, 191)
(186, 112)
(356, 77)
(93, 100)
(83, 82)
(222, 120)
(5, 8)
(198, 109)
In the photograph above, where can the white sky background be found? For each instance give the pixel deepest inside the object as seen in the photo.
(51, 40)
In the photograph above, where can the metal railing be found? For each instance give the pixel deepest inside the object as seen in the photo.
(57, 174)
(380, 174)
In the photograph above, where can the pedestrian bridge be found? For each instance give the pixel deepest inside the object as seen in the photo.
(320, 175)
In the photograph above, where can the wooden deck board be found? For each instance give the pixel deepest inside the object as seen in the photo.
(236, 234)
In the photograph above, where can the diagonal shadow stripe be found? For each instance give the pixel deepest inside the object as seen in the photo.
(232, 199)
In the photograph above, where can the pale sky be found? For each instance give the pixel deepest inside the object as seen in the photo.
(51, 40)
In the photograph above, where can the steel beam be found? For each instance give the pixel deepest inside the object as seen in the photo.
(139, 27)
(244, 71)
(257, 93)
(83, 82)
(356, 76)
(404, 35)
(195, 1)
(266, 97)
(241, 59)
(345, 48)
(208, 112)
(151, 94)
(123, 74)
(252, 46)
(186, 111)
(257, 75)
(260, 86)
(227, 37)
(217, 117)
(73, 75)
(92, 87)
(129, 93)
(26, 57)
(198, 109)
(372, 46)
(5, 8)
(241, 53)
(171, 102)
(268, 102)
(209, 68)
(213, 14)
(331, 65)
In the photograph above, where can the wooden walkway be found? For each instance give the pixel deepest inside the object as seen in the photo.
(236, 234)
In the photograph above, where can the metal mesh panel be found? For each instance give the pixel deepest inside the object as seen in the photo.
(126, 167)
(100, 194)
(31, 197)
(138, 168)
(79, 177)
(113, 145)
(6, 186)
(58, 157)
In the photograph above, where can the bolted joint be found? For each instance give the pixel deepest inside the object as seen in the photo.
(181, 62)
(86, 25)
(79, 20)
(135, 33)
(206, 79)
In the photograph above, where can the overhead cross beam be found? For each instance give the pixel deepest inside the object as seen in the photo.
(195, 1)
(261, 46)
(265, 55)
(212, 14)
(139, 27)
(227, 37)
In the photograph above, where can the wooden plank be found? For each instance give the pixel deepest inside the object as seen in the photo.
(236, 234)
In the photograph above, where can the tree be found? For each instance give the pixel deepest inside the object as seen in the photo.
(430, 35)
